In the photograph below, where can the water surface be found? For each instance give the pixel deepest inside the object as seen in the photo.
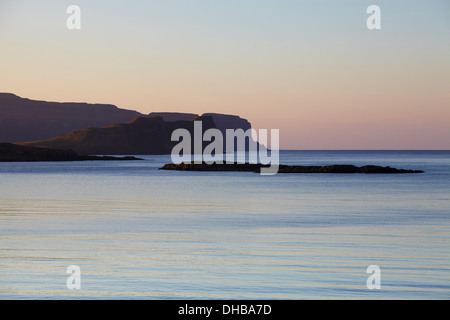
(137, 232)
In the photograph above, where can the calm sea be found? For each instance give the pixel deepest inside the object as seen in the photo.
(137, 232)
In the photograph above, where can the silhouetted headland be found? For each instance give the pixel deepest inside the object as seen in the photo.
(141, 136)
(90, 128)
(10, 152)
(249, 167)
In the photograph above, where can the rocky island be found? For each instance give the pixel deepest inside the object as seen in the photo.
(285, 168)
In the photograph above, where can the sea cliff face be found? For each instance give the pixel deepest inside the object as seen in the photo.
(226, 121)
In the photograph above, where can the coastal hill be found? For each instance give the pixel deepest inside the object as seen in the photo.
(142, 136)
(23, 120)
(26, 120)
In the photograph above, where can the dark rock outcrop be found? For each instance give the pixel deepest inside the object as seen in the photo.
(285, 168)
(343, 169)
(10, 152)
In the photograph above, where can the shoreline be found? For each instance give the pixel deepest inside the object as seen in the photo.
(10, 152)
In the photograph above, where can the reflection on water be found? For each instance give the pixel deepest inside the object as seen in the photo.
(137, 232)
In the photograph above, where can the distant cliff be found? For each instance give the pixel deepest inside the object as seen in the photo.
(222, 121)
(226, 121)
(26, 120)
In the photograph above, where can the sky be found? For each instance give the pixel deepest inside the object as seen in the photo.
(311, 68)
